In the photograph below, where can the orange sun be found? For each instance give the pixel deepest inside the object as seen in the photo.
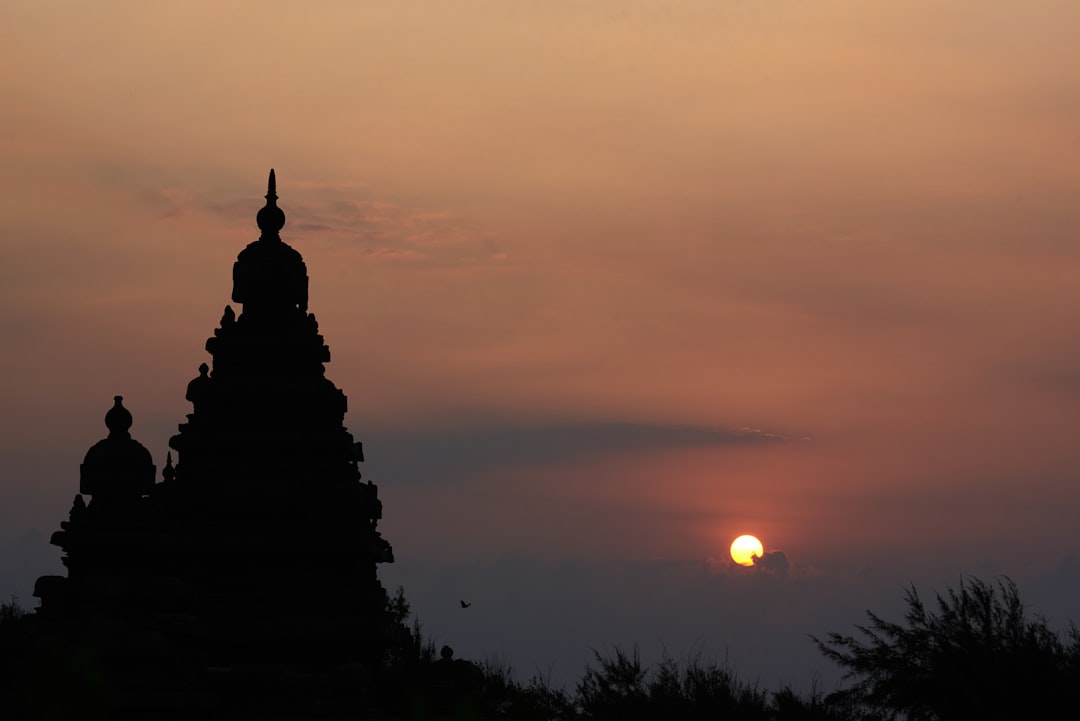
(745, 549)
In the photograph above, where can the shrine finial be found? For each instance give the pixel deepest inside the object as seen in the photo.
(271, 218)
(118, 419)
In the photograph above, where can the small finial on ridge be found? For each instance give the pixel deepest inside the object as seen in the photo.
(168, 472)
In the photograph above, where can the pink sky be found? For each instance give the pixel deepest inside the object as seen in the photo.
(604, 282)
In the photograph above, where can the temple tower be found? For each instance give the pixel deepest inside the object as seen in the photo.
(258, 549)
(279, 532)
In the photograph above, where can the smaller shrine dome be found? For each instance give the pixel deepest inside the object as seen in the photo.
(119, 464)
(199, 388)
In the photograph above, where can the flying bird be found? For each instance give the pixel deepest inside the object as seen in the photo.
(465, 605)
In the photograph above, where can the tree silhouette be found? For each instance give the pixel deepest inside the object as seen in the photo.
(980, 655)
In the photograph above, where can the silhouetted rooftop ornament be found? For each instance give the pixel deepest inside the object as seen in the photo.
(271, 218)
(197, 389)
(119, 464)
(118, 419)
(269, 276)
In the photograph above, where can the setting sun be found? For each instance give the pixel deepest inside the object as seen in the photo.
(745, 549)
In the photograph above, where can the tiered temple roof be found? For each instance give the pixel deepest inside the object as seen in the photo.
(258, 548)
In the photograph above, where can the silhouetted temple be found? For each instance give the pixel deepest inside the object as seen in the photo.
(245, 579)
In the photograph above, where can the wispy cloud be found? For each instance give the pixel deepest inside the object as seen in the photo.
(427, 456)
(387, 231)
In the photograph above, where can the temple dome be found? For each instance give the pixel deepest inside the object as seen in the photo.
(269, 274)
(118, 464)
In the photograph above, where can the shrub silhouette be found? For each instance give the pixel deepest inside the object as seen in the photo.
(976, 653)
(980, 655)
(619, 687)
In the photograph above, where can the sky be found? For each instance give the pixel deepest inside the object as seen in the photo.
(607, 284)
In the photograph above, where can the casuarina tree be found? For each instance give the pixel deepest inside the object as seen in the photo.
(977, 653)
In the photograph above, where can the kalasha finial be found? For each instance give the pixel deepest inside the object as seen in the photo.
(271, 218)
(118, 419)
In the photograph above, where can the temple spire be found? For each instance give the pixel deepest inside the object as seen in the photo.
(271, 218)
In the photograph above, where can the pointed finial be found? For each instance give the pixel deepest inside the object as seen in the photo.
(271, 218)
(168, 472)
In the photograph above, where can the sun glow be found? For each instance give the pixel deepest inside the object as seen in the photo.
(745, 549)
